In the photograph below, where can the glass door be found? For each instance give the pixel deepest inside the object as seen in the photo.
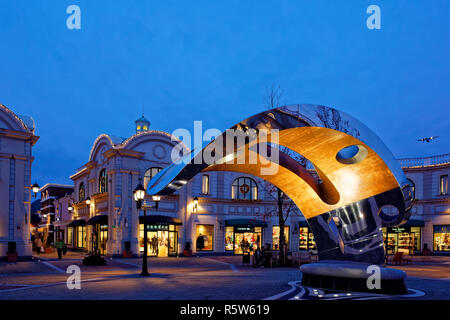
(247, 241)
(103, 239)
(163, 243)
(152, 248)
(173, 242)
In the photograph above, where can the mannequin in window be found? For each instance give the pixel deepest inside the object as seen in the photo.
(200, 242)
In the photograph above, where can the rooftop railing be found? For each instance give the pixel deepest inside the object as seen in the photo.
(425, 161)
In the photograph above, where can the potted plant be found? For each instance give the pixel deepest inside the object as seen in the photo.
(127, 253)
(12, 253)
(187, 250)
(94, 259)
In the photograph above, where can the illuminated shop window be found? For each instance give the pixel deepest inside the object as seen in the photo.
(247, 239)
(149, 174)
(204, 237)
(276, 237)
(81, 237)
(229, 238)
(205, 184)
(306, 239)
(441, 238)
(244, 189)
(69, 240)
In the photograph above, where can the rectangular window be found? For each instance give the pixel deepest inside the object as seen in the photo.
(81, 237)
(417, 238)
(444, 185)
(276, 237)
(69, 239)
(303, 238)
(205, 184)
(441, 238)
(229, 238)
(204, 238)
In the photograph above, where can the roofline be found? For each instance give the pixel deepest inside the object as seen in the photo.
(56, 185)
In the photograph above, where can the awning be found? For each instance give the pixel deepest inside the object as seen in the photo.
(101, 219)
(303, 223)
(160, 220)
(245, 223)
(414, 223)
(77, 223)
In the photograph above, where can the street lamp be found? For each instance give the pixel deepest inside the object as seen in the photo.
(139, 196)
(88, 201)
(195, 205)
(35, 187)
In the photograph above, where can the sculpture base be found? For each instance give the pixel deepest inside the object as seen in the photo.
(351, 276)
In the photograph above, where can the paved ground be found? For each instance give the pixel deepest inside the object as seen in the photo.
(191, 278)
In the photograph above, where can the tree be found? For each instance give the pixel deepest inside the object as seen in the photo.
(284, 204)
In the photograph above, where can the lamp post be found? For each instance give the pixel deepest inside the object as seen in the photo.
(93, 246)
(139, 196)
(35, 187)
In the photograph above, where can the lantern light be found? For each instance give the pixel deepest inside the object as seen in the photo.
(35, 188)
(139, 192)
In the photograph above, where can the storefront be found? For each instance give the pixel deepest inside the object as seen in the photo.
(276, 237)
(407, 237)
(441, 238)
(242, 235)
(162, 235)
(76, 234)
(306, 237)
(204, 237)
(99, 233)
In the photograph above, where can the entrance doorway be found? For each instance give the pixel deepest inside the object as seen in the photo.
(158, 243)
(240, 239)
(162, 240)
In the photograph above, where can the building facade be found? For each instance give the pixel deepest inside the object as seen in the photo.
(217, 212)
(232, 209)
(429, 225)
(17, 139)
(51, 207)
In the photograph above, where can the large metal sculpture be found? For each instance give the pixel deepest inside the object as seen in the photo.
(353, 188)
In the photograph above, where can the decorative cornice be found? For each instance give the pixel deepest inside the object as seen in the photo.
(80, 173)
(17, 119)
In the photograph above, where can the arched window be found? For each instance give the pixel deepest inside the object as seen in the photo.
(103, 181)
(244, 189)
(413, 188)
(149, 174)
(81, 192)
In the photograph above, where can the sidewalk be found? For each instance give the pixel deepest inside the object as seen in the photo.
(70, 255)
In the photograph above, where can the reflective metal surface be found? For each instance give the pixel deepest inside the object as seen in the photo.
(357, 186)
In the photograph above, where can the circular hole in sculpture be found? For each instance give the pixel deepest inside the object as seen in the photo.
(388, 213)
(352, 154)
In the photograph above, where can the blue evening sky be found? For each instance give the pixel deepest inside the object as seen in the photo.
(212, 60)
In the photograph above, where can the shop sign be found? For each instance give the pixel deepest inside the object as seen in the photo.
(157, 227)
(441, 229)
(243, 229)
(399, 229)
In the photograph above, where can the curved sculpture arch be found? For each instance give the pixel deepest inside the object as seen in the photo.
(343, 201)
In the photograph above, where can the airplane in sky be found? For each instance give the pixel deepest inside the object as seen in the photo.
(428, 139)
